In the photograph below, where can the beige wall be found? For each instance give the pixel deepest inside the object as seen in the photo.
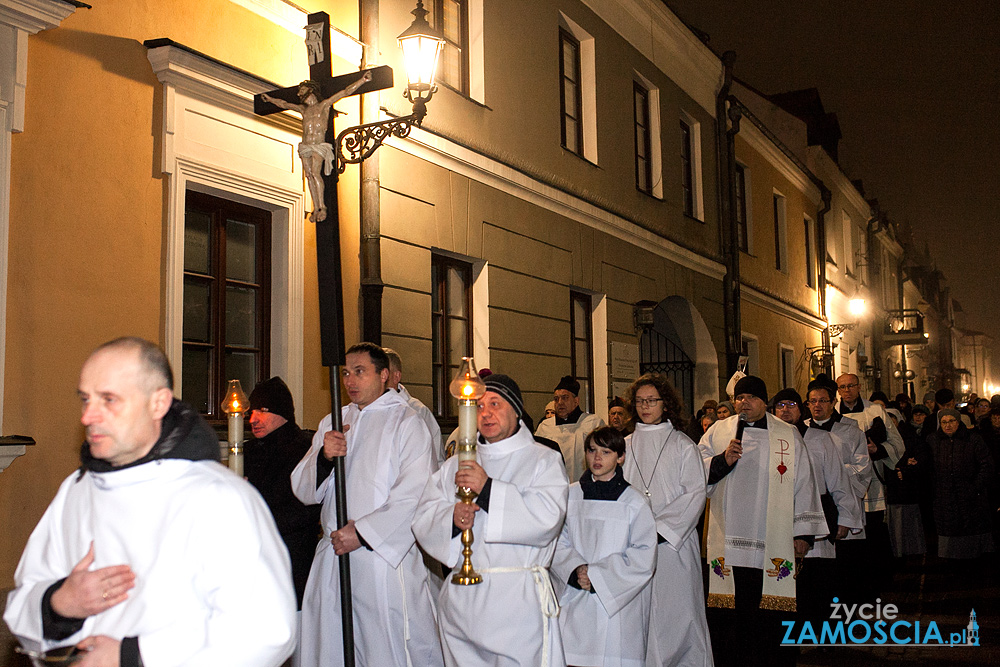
(535, 256)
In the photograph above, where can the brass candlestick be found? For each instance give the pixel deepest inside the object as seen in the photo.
(468, 389)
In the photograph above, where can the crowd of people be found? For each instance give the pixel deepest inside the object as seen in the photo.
(652, 540)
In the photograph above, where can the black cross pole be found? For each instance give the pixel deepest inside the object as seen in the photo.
(331, 307)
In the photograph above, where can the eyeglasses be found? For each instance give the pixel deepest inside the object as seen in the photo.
(784, 405)
(647, 402)
(847, 386)
(818, 401)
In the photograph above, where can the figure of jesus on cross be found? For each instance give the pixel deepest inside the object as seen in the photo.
(315, 152)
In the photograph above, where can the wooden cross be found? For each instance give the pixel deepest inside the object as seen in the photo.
(318, 140)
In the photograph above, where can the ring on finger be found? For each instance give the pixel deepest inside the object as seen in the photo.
(105, 596)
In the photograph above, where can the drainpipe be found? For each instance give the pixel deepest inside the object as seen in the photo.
(726, 174)
(371, 246)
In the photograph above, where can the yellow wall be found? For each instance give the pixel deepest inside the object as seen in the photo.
(87, 233)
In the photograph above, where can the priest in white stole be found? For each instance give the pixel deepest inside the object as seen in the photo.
(511, 618)
(764, 513)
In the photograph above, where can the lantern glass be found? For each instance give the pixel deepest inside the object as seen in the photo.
(235, 401)
(422, 46)
(467, 385)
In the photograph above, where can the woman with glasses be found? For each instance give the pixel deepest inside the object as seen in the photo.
(663, 464)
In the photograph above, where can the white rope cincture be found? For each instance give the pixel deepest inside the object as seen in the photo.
(406, 617)
(547, 601)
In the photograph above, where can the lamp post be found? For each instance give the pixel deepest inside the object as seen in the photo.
(234, 405)
(468, 388)
(421, 45)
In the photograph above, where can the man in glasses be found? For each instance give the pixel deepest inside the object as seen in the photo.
(852, 448)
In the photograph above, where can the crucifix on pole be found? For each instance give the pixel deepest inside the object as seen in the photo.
(314, 99)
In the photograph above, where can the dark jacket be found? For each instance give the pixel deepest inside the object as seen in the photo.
(962, 473)
(268, 464)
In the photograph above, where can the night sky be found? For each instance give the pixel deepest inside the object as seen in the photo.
(916, 88)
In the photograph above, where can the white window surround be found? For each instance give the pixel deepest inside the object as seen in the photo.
(588, 84)
(212, 142)
(752, 345)
(655, 136)
(18, 20)
(599, 350)
(696, 182)
(786, 361)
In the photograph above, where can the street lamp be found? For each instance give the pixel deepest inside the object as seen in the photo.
(421, 45)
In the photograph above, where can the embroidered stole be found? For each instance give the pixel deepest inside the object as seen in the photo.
(779, 549)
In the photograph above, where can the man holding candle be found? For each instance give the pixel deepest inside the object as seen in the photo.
(152, 552)
(511, 617)
(388, 458)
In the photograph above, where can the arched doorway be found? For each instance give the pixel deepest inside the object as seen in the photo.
(680, 346)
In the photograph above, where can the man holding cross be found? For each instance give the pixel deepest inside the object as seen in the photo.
(315, 152)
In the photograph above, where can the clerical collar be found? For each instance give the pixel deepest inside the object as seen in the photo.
(609, 490)
(857, 407)
(571, 418)
(760, 423)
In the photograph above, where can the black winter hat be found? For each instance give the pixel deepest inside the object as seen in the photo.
(569, 384)
(508, 389)
(273, 395)
(751, 384)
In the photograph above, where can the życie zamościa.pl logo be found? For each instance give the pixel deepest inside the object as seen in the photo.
(875, 625)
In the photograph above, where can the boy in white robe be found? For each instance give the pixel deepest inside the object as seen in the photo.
(388, 459)
(604, 561)
(510, 618)
(152, 553)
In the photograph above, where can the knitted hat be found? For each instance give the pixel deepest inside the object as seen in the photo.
(615, 402)
(788, 394)
(505, 386)
(944, 395)
(949, 412)
(569, 384)
(753, 385)
(273, 395)
(921, 408)
(729, 406)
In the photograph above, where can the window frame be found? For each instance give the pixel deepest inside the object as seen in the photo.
(443, 408)
(463, 46)
(566, 37)
(687, 168)
(779, 211)
(220, 210)
(586, 301)
(740, 213)
(812, 270)
(646, 155)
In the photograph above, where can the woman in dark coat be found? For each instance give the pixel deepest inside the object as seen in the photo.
(962, 474)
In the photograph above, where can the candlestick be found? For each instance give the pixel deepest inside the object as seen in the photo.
(234, 405)
(468, 388)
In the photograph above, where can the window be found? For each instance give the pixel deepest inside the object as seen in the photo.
(810, 236)
(751, 348)
(570, 97)
(742, 226)
(848, 258)
(451, 19)
(643, 150)
(780, 227)
(581, 347)
(787, 367)
(226, 325)
(687, 169)
(451, 327)
(691, 186)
